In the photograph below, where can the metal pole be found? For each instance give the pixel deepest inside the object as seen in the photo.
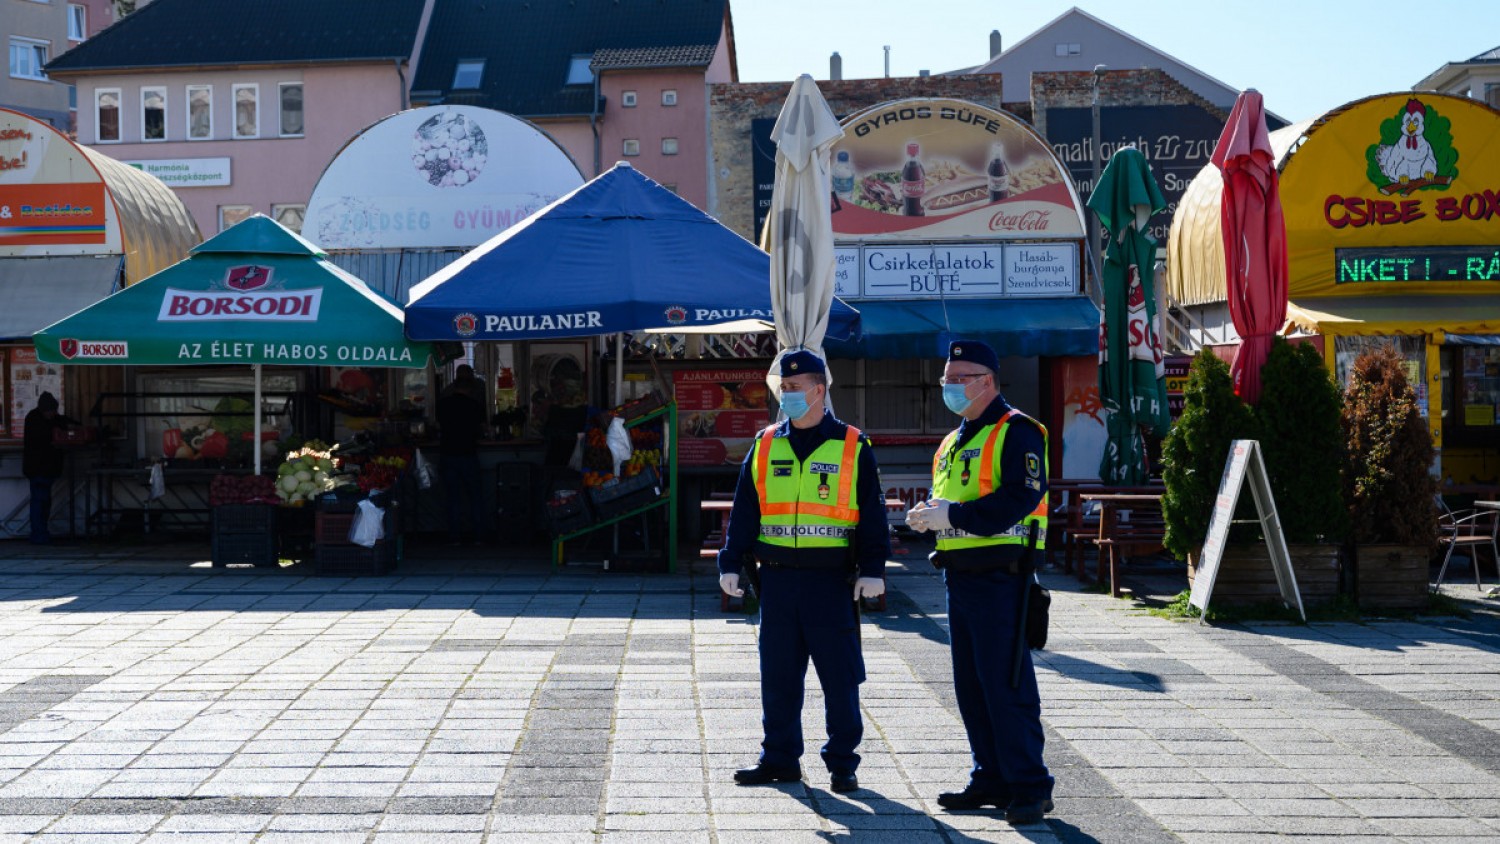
(256, 410)
(1095, 240)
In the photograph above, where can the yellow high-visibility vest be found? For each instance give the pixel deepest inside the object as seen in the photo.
(953, 480)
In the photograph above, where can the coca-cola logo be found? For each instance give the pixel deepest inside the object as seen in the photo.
(1035, 220)
(247, 277)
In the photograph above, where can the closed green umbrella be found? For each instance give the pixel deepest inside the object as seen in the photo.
(254, 294)
(1130, 356)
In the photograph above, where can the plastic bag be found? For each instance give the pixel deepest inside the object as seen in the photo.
(369, 525)
(618, 440)
(158, 483)
(575, 462)
(424, 471)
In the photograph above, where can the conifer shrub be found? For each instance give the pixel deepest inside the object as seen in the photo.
(1302, 442)
(1194, 452)
(1388, 486)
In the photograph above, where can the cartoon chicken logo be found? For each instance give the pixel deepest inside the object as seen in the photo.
(1415, 153)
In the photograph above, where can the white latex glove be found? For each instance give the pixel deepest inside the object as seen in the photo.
(935, 514)
(730, 583)
(914, 518)
(869, 587)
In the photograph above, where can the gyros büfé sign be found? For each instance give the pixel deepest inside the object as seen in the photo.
(928, 169)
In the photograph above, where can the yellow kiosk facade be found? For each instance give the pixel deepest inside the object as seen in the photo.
(1392, 207)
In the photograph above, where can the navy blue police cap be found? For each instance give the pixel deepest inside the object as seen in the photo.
(801, 362)
(974, 351)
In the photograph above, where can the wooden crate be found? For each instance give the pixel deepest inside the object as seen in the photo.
(1391, 577)
(1245, 574)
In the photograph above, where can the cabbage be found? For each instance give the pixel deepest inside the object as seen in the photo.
(303, 475)
(320, 478)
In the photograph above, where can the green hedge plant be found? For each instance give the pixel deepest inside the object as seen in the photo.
(1302, 442)
(1388, 484)
(1194, 452)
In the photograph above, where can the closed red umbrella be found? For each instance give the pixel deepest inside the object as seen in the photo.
(1254, 239)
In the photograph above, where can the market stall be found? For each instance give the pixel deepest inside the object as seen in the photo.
(254, 296)
(75, 226)
(619, 254)
(1391, 229)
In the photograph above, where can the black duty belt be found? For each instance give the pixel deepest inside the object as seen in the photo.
(945, 561)
(812, 564)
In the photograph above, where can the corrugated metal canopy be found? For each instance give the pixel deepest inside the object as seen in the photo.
(1195, 245)
(156, 229)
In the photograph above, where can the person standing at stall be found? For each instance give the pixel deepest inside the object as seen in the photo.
(809, 508)
(989, 483)
(460, 418)
(42, 462)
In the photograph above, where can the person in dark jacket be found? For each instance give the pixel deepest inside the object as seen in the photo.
(42, 462)
(460, 418)
(989, 486)
(809, 507)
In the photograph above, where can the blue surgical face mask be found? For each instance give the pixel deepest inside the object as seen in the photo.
(956, 397)
(794, 405)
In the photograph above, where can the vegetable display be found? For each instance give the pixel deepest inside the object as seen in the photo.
(307, 472)
(242, 489)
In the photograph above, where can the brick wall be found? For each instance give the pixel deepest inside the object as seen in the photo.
(1075, 89)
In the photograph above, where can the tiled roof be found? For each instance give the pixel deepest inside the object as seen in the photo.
(696, 55)
(168, 33)
(527, 46)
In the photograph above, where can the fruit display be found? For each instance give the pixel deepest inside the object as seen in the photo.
(594, 480)
(380, 473)
(647, 443)
(242, 489)
(307, 472)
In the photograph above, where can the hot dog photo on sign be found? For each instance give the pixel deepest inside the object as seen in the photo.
(948, 168)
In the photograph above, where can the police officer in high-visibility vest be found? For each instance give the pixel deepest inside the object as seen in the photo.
(989, 483)
(810, 508)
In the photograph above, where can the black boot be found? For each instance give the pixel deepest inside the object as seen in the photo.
(763, 774)
(973, 798)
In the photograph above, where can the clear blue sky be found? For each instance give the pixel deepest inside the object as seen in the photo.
(1305, 56)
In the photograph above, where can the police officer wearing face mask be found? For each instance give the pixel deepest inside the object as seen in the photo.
(809, 507)
(989, 483)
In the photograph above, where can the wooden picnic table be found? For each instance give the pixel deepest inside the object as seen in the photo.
(1118, 538)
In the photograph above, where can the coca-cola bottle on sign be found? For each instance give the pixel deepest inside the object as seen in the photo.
(998, 173)
(913, 182)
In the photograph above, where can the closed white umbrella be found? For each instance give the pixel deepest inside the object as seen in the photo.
(799, 228)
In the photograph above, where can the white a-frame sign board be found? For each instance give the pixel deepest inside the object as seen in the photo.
(1244, 461)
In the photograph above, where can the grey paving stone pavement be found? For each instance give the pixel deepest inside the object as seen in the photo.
(145, 696)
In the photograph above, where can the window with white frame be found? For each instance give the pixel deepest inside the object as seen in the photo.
(468, 74)
(669, 97)
(106, 115)
(27, 58)
(289, 215)
(627, 99)
(231, 214)
(200, 112)
(631, 147)
(246, 111)
(78, 22)
(668, 146)
(290, 96)
(153, 114)
(1070, 49)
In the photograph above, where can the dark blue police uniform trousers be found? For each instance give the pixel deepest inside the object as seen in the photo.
(1004, 724)
(809, 613)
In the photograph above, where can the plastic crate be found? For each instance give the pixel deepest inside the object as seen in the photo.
(641, 406)
(258, 549)
(244, 518)
(568, 514)
(628, 494)
(350, 560)
(332, 528)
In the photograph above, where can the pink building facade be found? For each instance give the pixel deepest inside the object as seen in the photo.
(236, 143)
